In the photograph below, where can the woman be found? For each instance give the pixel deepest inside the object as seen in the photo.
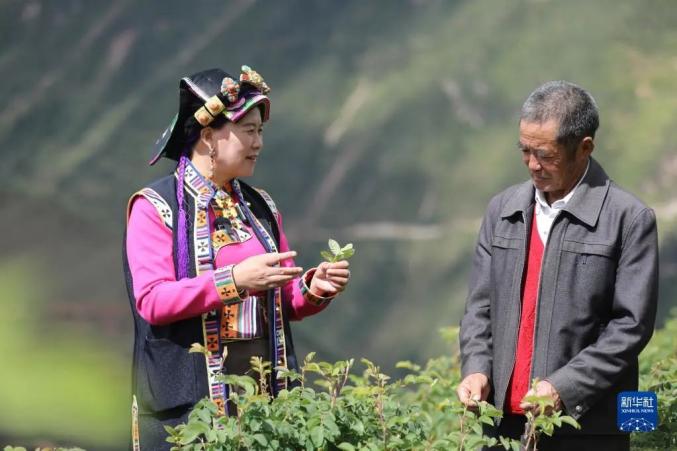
(207, 260)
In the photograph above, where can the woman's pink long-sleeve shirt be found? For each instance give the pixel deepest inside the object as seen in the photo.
(160, 298)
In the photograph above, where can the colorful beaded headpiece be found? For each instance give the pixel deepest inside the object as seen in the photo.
(203, 97)
(228, 99)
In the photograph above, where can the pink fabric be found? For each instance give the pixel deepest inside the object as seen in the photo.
(160, 298)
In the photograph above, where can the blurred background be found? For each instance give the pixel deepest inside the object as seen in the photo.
(392, 125)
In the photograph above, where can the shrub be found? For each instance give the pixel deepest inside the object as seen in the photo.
(350, 411)
(658, 373)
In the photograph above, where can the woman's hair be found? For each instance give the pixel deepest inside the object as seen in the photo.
(192, 133)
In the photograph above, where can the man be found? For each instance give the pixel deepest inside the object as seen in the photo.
(564, 281)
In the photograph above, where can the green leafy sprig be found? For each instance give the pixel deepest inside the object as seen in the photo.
(336, 252)
(544, 421)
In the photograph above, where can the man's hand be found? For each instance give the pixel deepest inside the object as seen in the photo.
(472, 389)
(543, 388)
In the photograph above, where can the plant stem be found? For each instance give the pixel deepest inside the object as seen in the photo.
(463, 434)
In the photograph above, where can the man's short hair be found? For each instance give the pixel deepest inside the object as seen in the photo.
(570, 105)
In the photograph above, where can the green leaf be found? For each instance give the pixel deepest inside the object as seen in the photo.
(317, 436)
(204, 415)
(548, 429)
(407, 364)
(487, 420)
(358, 427)
(477, 428)
(327, 256)
(346, 446)
(474, 441)
(347, 254)
(192, 432)
(570, 421)
(197, 347)
(334, 247)
(254, 425)
(170, 430)
(211, 436)
(312, 367)
(260, 439)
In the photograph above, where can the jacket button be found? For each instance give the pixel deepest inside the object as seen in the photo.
(579, 409)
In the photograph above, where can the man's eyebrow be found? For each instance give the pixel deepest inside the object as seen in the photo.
(521, 146)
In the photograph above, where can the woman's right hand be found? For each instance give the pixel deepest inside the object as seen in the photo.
(263, 272)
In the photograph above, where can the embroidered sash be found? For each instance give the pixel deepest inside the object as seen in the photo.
(238, 320)
(279, 352)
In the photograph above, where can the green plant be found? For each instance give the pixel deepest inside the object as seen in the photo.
(658, 373)
(350, 411)
(344, 415)
(368, 411)
(336, 252)
(452, 425)
(542, 419)
(21, 448)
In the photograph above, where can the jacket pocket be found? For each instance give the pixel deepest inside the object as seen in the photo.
(586, 281)
(169, 377)
(506, 243)
(600, 249)
(506, 254)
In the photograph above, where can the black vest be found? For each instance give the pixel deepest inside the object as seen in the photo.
(164, 374)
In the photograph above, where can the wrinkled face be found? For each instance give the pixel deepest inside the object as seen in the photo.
(237, 146)
(553, 170)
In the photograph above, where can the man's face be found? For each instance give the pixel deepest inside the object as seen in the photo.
(553, 170)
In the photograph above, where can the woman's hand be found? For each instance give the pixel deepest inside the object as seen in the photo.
(330, 278)
(261, 272)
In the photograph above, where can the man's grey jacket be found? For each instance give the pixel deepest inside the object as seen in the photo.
(596, 301)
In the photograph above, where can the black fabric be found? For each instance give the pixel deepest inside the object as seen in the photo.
(164, 375)
(239, 357)
(153, 436)
(166, 379)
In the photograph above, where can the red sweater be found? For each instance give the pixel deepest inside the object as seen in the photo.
(519, 381)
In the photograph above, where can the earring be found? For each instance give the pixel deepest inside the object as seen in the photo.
(212, 154)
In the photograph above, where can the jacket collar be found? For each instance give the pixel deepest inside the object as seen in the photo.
(520, 200)
(585, 205)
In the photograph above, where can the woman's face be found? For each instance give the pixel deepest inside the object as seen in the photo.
(237, 146)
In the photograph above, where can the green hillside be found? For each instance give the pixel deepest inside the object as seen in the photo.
(392, 125)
